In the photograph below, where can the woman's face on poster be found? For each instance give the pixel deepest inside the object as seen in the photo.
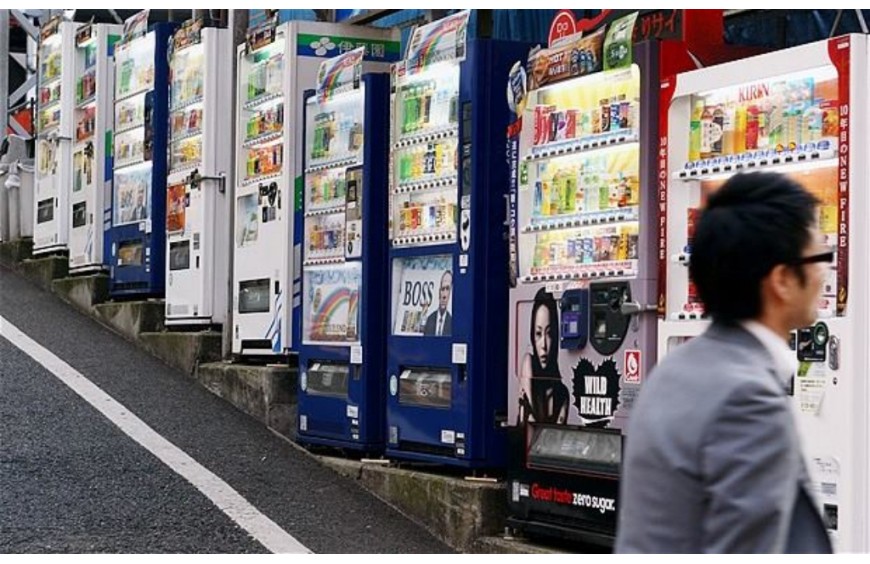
(543, 339)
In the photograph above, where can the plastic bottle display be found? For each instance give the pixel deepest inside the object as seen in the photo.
(326, 189)
(265, 121)
(425, 105)
(430, 161)
(582, 186)
(265, 77)
(780, 116)
(263, 161)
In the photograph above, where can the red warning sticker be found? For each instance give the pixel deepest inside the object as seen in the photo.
(632, 373)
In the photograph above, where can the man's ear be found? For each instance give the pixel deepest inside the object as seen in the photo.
(780, 282)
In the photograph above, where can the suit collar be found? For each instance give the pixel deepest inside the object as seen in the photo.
(736, 335)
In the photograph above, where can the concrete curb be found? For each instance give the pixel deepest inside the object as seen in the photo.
(267, 393)
(84, 292)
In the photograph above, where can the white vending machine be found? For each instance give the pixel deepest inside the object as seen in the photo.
(54, 130)
(276, 65)
(197, 230)
(801, 112)
(94, 122)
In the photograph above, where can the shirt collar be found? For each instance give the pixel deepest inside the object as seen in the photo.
(784, 361)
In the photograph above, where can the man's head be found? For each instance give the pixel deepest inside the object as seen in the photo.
(444, 290)
(758, 253)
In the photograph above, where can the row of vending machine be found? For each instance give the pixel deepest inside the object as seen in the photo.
(477, 251)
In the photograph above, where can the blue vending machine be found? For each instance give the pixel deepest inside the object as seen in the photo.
(135, 224)
(342, 349)
(447, 334)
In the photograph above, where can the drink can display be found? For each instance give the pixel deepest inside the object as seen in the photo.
(614, 116)
(604, 111)
(571, 124)
(625, 114)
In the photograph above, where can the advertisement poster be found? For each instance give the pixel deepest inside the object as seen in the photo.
(442, 40)
(248, 214)
(176, 196)
(131, 195)
(423, 299)
(332, 304)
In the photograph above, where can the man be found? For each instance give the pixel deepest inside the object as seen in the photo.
(712, 460)
(438, 322)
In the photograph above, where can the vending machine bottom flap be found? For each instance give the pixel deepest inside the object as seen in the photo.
(574, 449)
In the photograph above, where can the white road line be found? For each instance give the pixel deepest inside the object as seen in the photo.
(228, 500)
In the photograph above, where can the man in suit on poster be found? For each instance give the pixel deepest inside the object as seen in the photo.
(439, 321)
(713, 461)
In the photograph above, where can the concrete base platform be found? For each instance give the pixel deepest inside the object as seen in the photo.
(43, 271)
(456, 510)
(13, 252)
(84, 292)
(132, 318)
(184, 351)
(509, 545)
(267, 393)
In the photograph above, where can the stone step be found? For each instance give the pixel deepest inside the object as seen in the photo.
(512, 545)
(184, 351)
(130, 319)
(267, 393)
(13, 252)
(42, 271)
(458, 511)
(84, 292)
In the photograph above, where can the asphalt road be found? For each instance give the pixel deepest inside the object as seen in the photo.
(72, 481)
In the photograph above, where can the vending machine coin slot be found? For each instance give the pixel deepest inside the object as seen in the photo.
(608, 325)
(574, 319)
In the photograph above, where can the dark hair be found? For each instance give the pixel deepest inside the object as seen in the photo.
(545, 299)
(753, 223)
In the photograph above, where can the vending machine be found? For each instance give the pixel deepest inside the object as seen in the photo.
(448, 247)
(54, 135)
(802, 112)
(197, 229)
(92, 154)
(135, 223)
(276, 65)
(342, 348)
(583, 156)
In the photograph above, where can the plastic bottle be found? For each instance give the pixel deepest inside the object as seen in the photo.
(707, 136)
(695, 131)
(812, 123)
(752, 127)
(718, 130)
(728, 133)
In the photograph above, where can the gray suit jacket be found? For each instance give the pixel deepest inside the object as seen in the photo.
(712, 459)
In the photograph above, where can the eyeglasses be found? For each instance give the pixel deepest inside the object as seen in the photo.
(827, 256)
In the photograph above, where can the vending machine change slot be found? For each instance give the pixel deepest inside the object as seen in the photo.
(608, 325)
(561, 448)
(574, 319)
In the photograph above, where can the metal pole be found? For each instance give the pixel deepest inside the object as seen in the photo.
(238, 25)
(4, 71)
